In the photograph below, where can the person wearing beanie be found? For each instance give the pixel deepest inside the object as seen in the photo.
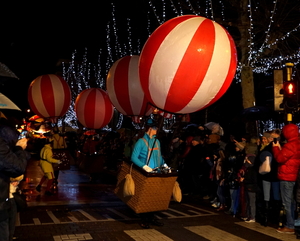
(13, 162)
(288, 158)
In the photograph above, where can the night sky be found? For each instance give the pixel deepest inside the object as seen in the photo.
(34, 38)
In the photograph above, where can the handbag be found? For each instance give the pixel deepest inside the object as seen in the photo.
(177, 195)
(20, 200)
(265, 167)
(129, 186)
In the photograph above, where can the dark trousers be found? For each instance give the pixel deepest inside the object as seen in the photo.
(12, 218)
(147, 217)
(4, 230)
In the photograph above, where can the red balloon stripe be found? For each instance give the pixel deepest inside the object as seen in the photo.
(192, 61)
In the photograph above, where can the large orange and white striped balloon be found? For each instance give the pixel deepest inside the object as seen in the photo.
(124, 88)
(93, 108)
(49, 96)
(187, 64)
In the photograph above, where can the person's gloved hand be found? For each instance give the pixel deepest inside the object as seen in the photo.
(147, 168)
(59, 162)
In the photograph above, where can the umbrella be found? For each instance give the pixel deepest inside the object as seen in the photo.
(6, 103)
(2, 115)
(6, 72)
(215, 128)
(257, 113)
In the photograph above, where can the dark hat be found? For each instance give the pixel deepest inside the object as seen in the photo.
(9, 135)
(150, 122)
(197, 138)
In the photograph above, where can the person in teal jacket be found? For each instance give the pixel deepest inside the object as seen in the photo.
(147, 155)
(142, 152)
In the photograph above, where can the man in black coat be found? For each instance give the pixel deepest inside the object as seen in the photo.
(13, 161)
(193, 167)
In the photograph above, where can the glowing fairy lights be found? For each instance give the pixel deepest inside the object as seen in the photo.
(123, 37)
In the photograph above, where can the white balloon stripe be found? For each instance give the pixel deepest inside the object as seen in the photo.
(37, 93)
(213, 80)
(164, 76)
(136, 93)
(110, 85)
(58, 95)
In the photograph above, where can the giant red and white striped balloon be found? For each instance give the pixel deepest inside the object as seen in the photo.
(124, 88)
(93, 108)
(49, 96)
(187, 64)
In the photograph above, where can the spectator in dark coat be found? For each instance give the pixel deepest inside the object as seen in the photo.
(193, 166)
(13, 161)
(251, 187)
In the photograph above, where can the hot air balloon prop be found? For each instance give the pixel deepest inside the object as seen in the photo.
(124, 88)
(187, 64)
(93, 108)
(49, 96)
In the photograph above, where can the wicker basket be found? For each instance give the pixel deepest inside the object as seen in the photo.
(153, 191)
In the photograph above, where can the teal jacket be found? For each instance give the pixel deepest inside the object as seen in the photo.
(142, 150)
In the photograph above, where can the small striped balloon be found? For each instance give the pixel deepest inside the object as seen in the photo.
(49, 96)
(93, 108)
(187, 64)
(124, 88)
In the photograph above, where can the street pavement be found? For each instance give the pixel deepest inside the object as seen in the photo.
(85, 210)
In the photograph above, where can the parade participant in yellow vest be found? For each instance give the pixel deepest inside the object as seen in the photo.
(46, 161)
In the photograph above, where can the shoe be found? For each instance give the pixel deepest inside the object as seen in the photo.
(145, 225)
(250, 220)
(157, 223)
(206, 197)
(244, 219)
(228, 212)
(216, 205)
(221, 208)
(38, 188)
(286, 230)
(212, 201)
(48, 193)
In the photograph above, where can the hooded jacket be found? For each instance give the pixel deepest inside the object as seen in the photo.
(47, 159)
(288, 157)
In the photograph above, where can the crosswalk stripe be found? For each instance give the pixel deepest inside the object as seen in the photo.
(181, 213)
(118, 213)
(200, 209)
(147, 235)
(269, 231)
(52, 216)
(90, 217)
(36, 221)
(214, 234)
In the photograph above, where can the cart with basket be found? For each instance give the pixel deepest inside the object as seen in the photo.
(153, 191)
